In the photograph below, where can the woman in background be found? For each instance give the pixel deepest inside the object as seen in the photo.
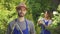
(45, 22)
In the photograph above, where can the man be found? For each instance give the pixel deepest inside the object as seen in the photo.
(21, 25)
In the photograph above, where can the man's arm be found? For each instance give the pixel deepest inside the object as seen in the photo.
(9, 30)
(32, 29)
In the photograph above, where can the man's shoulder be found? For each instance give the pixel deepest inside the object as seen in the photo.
(12, 22)
(30, 22)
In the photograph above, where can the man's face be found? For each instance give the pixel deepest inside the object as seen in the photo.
(21, 12)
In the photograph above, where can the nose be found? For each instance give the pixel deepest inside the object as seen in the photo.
(19, 11)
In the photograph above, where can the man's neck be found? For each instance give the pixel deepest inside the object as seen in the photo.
(21, 19)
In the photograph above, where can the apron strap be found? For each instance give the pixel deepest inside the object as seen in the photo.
(46, 23)
(15, 31)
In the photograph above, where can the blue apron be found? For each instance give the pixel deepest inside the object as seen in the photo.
(15, 31)
(45, 31)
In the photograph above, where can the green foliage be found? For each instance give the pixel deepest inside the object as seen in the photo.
(35, 10)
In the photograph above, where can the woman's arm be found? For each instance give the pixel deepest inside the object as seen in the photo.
(40, 22)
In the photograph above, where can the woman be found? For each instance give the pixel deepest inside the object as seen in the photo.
(45, 22)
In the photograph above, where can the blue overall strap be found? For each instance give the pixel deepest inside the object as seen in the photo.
(46, 23)
(43, 28)
(26, 30)
(46, 31)
(15, 31)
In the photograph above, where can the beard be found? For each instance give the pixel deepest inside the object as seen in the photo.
(21, 14)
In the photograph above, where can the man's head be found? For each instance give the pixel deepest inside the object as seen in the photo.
(21, 9)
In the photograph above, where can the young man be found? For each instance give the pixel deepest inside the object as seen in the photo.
(21, 25)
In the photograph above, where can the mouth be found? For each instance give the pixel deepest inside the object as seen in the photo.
(20, 14)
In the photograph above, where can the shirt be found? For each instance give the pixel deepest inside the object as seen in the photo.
(22, 26)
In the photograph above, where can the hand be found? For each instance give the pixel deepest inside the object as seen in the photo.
(39, 22)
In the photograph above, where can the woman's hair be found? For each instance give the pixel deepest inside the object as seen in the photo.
(49, 13)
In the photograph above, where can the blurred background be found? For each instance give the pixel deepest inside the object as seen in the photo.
(35, 12)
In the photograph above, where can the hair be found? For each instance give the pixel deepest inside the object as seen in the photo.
(48, 12)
